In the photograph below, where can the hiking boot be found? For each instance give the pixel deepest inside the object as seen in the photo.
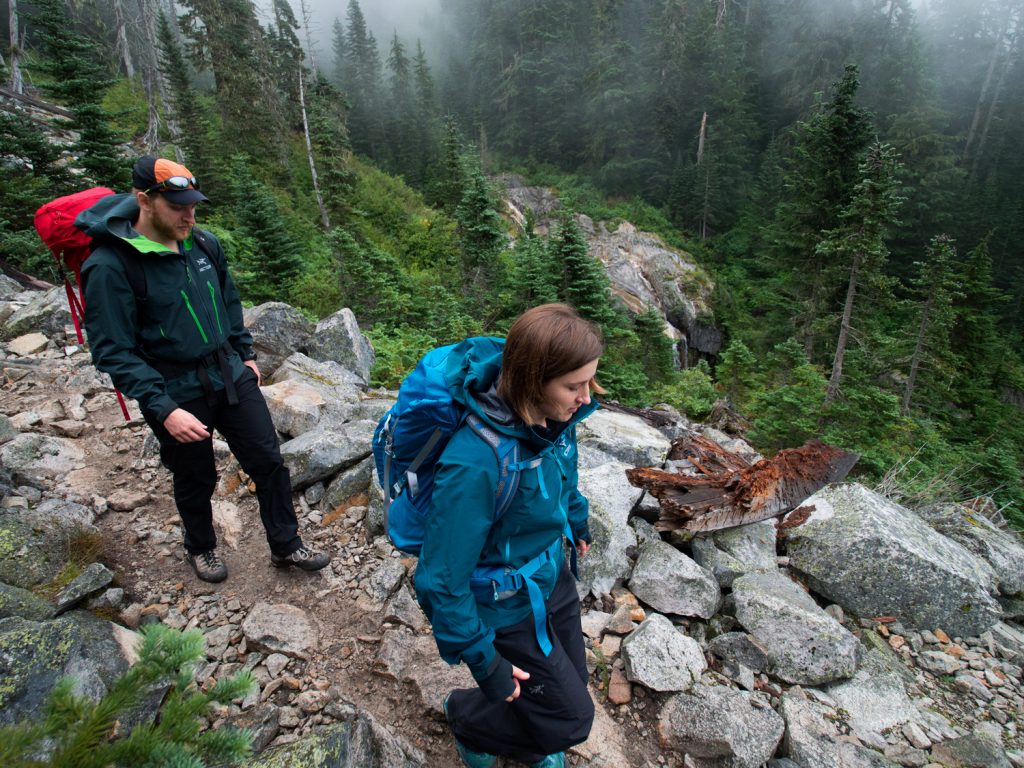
(207, 565)
(469, 758)
(305, 558)
(551, 761)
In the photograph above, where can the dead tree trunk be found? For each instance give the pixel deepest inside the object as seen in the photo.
(309, 154)
(310, 52)
(832, 390)
(728, 491)
(17, 84)
(123, 49)
(915, 360)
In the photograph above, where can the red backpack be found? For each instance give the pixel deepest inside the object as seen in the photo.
(71, 246)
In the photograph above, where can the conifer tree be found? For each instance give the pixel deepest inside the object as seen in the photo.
(77, 732)
(78, 81)
(582, 281)
(278, 256)
(481, 235)
(331, 148)
(449, 178)
(936, 287)
(819, 184)
(372, 284)
(402, 129)
(655, 348)
(228, 39)
(192, 112)
(859, 242)
(535, 279)
(339, 49)
(736, 372)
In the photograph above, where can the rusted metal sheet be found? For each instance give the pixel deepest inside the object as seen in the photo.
(729, 491)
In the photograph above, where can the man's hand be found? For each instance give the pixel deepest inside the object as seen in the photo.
(517, 675)
(185, 428)
(255, 369)
(582, 547)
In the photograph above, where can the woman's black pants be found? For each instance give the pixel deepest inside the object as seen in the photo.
(554, 710)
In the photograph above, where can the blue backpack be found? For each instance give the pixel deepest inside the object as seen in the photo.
(410, 438)
(407, 443)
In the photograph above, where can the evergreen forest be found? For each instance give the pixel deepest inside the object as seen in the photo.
(849, 174)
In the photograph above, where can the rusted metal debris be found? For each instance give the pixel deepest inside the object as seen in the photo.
(729, 491)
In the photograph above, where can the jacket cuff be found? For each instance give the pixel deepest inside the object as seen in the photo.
(161, 408)
(582, 533)
(498, 685)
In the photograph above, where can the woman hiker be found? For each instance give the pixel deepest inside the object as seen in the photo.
(519, 632)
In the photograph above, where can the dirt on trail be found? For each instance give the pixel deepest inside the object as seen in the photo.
(122, 479)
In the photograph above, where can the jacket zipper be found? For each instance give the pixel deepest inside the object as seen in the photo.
(216, 312)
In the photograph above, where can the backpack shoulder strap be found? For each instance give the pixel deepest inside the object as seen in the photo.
(134, 272)
(204, 240)
(506, 450)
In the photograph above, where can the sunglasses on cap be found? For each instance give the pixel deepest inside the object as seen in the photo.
(174, 183)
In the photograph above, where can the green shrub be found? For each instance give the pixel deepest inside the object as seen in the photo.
(76, 732)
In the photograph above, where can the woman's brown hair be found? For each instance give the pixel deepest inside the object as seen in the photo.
(544, 343)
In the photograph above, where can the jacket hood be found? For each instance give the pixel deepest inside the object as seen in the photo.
(472, 376)
(112, 217)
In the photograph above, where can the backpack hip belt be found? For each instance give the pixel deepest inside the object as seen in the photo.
(221, 357)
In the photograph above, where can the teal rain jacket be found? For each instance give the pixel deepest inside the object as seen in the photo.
(460, 533)
(191, 309)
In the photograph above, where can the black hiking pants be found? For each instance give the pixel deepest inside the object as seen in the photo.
(554, 710)
(250, 434)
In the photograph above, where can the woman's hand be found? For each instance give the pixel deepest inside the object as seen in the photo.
(582, 547)
(517, 675)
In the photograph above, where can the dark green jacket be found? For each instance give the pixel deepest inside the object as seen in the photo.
(460, 533)
(191, 308)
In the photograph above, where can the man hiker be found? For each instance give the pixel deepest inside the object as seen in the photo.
(165, 321)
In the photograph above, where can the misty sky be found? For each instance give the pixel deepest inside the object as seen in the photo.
(412, 19)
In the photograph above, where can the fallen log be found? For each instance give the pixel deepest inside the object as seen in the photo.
(729, 491)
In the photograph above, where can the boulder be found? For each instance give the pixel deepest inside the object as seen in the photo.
(644, 272)
(875, 699)
(359, 743)
(15, 601)
(46, 312)
(722, 723)
(402, 608)
(1003, 550)
(295, 406)
(263, 722)
(982, 748)
(625, 438)
(317, 455)
(35, 459)
(34, 655)
(7, 430)
(349, 485)
(337, 338)
(733, 552)
(9, 288)
(662, 658)
(670, 582)
(29, 344)
(812, 739)
(277, 331)
(281, 628)
(414, 659)
(340, 388)
(94, 578)
(34, 545)
(803, 643)
(611, 499)
(740, 648)
(876, 558)
(385, 579)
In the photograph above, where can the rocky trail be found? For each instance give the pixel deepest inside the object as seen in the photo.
(858, 633)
